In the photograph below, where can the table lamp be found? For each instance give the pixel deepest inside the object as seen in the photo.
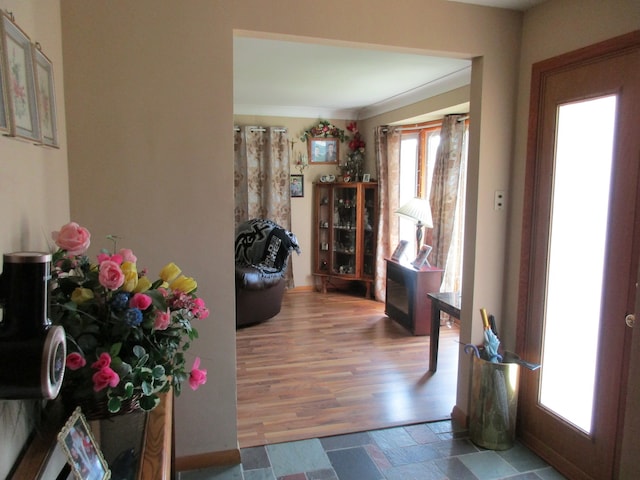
(418, 210)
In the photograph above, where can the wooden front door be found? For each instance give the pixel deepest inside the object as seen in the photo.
(587, 447)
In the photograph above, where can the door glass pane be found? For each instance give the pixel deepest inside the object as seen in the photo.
(584, 145)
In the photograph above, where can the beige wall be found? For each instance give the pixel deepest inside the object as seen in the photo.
(34, 196)
(149, 100)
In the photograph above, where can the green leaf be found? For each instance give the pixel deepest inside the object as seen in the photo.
(114, 404)
(149, 402)
(128, 390)
(147, 388)
(139, 351)
(114, 351)
(158, 371)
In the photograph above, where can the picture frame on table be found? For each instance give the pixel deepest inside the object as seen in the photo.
(366, 177)
(46, 95)
(21, 91)
(296, 185)
(397, 253)
(324, 150)
(421, 259)
(82, 452)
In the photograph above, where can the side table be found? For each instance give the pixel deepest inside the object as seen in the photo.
(447, 302)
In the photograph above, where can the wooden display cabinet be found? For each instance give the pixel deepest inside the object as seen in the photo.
(345, 232)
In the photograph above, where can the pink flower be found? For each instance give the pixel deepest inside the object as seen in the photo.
(103, 361)
(73, 238)
(140, 300)
(199, 309)
(117, 258)
(111, 276)
(75, 361)
(105, 377)
(197, 376)
(127, 255)
(162, 320)
(103, 257)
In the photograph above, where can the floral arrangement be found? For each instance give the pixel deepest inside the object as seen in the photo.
(126, 334)
(324, 129)
(354, 165)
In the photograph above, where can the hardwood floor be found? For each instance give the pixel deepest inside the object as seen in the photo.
(334, 363)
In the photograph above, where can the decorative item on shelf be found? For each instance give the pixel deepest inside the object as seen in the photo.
(301, 160)
(126, 335)
(418, 210)
(354, 164)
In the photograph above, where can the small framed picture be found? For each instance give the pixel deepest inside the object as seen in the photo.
(323, 150)
(18, 64)
(397, 253)
(46, 97)
(4, 110)
(83, 455)
(296, 185)
(421, 259)
(366, 177)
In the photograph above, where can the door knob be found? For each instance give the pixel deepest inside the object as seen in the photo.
(630, 320)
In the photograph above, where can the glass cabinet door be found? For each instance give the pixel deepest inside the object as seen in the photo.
(323, 239)
(369, 231)
(345, 229)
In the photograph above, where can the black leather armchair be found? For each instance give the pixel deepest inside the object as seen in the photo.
(262, 250)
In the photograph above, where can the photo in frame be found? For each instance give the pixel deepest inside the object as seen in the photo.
(296, 185)
(19, 68)
(323, 150)
(4, 110)
(397, 253)
(421, 259)
(46, 97)
(82, 452)
(366, 177)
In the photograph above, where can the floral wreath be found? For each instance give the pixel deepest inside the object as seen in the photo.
(324, 129)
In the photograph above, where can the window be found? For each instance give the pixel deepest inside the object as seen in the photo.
(418, 149)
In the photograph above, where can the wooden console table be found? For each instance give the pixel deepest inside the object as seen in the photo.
(447, 302)
(149, 434)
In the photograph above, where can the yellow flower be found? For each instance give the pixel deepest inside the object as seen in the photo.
(144, 284)
(170, 272)
(184, 284)
(130, 276)
(81, 295)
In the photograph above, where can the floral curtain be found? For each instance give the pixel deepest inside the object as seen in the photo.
(388, 165)
(447, 197)
(261, 177)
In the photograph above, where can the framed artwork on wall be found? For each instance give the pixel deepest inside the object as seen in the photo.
(323, 150)
(83, 455)
(4, 111)
(296, 185)
(46, 97)
(21, 94)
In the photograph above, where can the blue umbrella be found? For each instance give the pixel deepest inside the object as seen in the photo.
(491, 344)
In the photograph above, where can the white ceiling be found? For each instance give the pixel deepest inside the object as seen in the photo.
(302, 79)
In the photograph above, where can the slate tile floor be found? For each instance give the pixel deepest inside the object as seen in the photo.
(429, 451)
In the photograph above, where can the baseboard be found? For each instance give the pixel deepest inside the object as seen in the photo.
(304, 288)
(210, 459)
(459, 417)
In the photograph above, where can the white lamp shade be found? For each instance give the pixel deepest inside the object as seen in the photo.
(418, 210)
